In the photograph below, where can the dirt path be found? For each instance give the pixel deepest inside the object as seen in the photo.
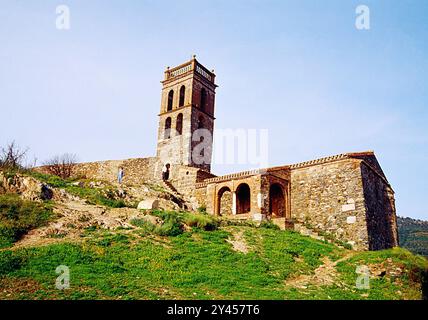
(325, 274)
(238, 242)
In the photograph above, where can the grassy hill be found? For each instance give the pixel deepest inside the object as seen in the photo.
(413, 235)
(123, 253)
(233, 262)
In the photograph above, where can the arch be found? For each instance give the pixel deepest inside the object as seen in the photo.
(170, 100)
(243, 198)
(277, 204)
(203, 104)
(182, 96)
(224, 202)
(167, 132)
(179, 124)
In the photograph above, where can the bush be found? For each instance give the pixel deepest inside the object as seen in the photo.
(145, 225)
(269, 225)
(12, 157)
(61, 166)
(202, 210)
(174, 223)
(17, 217)
(200, 221)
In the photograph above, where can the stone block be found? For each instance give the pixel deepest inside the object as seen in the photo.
(148, 204)
(351, 219)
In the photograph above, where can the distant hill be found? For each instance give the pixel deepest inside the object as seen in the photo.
(413, 235)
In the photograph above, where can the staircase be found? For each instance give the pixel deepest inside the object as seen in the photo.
(169, 186)
(177, 197)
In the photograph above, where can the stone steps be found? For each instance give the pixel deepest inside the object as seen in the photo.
(174, 192)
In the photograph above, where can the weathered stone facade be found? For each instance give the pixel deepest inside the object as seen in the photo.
(346, 196)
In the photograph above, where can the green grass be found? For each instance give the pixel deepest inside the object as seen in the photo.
(17, 217)
(96, 196)
(174, 223)
(197, 265)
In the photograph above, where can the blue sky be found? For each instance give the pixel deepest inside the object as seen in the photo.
(298, 68)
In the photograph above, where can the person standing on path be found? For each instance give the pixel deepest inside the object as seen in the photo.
(120, 175)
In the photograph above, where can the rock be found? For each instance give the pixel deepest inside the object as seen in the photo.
(46, 192)
(148, 204)
(78, 184)
(27, 187)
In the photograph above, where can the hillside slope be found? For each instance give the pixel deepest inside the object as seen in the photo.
(233, 262)
(116, 252)
(413, 235)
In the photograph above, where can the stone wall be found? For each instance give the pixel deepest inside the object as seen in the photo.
(330, 197)
(380, 210)
(137, 171)
(141, 171)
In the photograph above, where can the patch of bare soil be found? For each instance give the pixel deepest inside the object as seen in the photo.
(15, 288)
(74, 216)
(238, 242)
(324, 275)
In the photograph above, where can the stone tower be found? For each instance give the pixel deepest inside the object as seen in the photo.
(186, 119)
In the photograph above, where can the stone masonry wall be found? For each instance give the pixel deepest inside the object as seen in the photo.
(137, 171)
(146, 170)
(380, 210)
(330, 197)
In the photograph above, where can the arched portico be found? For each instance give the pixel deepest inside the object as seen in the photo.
(277, 201)
(243, 198)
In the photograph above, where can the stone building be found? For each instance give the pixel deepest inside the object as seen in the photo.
(345, 196)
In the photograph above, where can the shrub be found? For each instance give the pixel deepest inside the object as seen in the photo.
(61, 166)
(12, 157)
(269, 225)
(145, 225)
(17, 217)
(202, 210)
(204, 222)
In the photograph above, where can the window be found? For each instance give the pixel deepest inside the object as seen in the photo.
(167, 133)
(179, 124)
(170, 100)
(203, 99)
(182, 96)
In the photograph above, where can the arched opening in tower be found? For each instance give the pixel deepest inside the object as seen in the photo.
(224, 202)
(182, 96)
(277, 205)
(170, 100)
(167, 133)
(243, 199)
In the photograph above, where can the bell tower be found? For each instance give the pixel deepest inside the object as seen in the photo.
(186, 119)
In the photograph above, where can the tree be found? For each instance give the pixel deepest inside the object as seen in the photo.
(62, 165)
(12, 157)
